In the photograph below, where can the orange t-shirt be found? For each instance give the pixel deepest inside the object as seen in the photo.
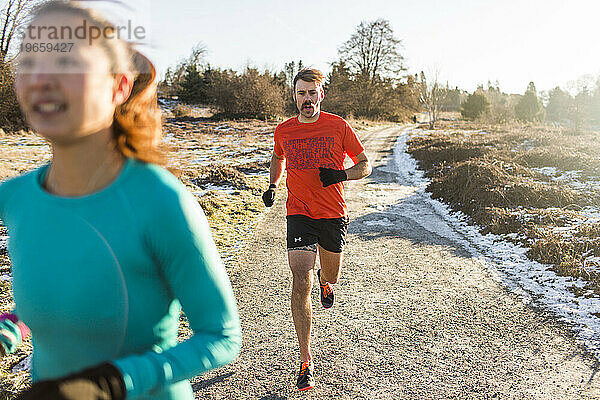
(306, 147)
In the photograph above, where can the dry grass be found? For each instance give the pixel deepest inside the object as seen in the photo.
(488, 173)
(476, 184)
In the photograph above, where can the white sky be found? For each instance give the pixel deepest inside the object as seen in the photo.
(550, 42)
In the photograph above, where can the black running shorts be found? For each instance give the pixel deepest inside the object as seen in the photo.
(329, 233)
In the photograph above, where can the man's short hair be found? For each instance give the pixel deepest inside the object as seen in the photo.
(309, 75)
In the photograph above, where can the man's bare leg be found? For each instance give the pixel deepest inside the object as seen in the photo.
(331, 264)
(302, 262)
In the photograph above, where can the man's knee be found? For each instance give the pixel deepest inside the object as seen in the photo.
(301, 281)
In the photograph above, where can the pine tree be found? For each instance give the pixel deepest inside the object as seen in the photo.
(475, 105)
(530, 108)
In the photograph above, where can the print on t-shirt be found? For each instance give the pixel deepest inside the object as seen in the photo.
(309, 153)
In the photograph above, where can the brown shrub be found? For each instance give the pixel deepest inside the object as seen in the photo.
(212, 202)
(434, 153)
(11, 118)
(472, 185)
(254, 167)
(563, 159)
(567, 256)
(221, 175)
(489, 177)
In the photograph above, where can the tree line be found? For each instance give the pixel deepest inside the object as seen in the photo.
(367, 80)
(576, 109)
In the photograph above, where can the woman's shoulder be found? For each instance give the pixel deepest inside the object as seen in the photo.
(156, 195)
(24, 181)
(153, 180)
(15, 190)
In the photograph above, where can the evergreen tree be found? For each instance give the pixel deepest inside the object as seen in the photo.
(338, 94)
(559, 105)
(453, 100)
(581, 112)
(193, 87)
(530, 108)
(475, 105)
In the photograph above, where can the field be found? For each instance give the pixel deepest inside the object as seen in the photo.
(535, 186)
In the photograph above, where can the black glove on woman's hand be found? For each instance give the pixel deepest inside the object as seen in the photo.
(103, 382)
(269, 196)
(330, 176)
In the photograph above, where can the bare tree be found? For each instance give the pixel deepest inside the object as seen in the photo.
(432, 96)
(13, 15)
(373, 50)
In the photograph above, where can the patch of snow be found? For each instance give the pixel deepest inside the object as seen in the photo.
(224, 128)
(23, 365)
(226, 188)
(379, 222)
(550, 171)
(507, 262)
(572, 178)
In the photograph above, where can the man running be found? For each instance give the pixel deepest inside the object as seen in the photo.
(313, 146)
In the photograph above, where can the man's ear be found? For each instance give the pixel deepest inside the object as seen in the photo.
(322, 91)
(123, 87)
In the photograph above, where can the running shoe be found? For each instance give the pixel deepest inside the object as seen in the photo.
(306, 379)
(326, 292)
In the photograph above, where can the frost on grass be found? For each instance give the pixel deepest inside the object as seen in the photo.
(530, 184)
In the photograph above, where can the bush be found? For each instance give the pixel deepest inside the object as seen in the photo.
(475, 105)
(181, 110)
(530, 108)
(250, 95)
(11, 118)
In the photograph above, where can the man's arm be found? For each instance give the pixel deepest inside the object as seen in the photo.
(277, 165)
(361, 169)
(276, 171)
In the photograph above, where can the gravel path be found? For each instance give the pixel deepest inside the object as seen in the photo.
(415, 316)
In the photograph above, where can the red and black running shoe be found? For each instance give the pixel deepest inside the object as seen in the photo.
(306, 379)
(326, 292)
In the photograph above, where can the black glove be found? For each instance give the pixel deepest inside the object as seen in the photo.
(330, 176)
(269, 196)
(103, 382)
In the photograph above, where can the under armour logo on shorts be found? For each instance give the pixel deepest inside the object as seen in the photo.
(298, 239)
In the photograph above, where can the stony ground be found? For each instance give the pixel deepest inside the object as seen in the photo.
(416, 317)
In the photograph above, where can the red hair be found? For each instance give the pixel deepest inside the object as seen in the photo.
(137, 123)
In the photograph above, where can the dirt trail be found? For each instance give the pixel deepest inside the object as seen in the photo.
(415, 316)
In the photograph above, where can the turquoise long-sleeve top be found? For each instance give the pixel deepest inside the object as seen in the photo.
(103, 277)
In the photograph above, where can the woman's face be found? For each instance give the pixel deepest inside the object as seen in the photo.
(65, 87)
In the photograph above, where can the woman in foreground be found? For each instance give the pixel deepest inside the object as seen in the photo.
(106, 246)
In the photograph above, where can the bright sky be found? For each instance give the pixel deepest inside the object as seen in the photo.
(550, 42)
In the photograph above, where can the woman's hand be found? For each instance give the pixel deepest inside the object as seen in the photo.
(100, 382)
